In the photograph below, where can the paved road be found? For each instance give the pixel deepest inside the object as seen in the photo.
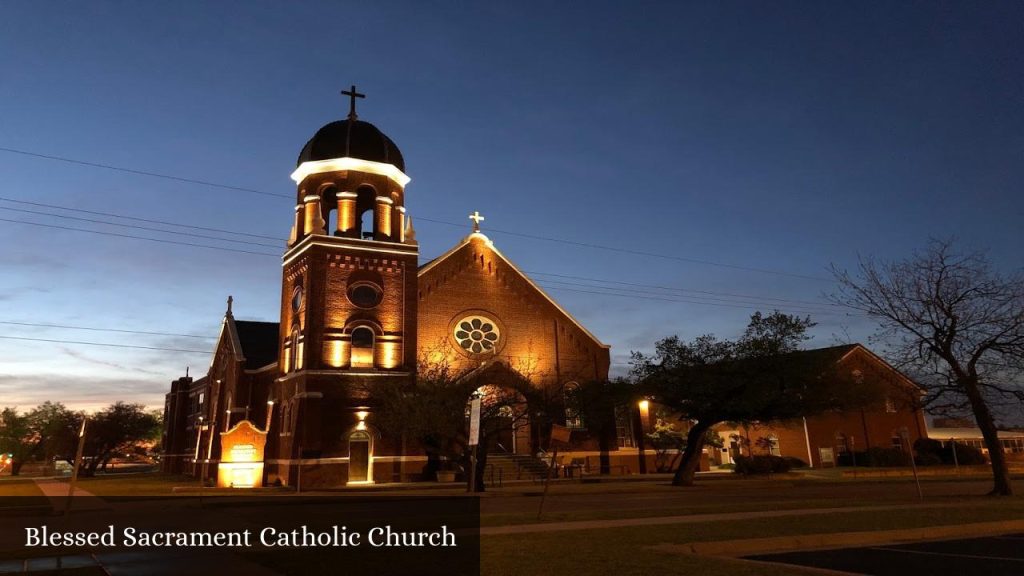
(992, 556)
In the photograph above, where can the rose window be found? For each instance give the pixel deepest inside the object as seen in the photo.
(477, 334)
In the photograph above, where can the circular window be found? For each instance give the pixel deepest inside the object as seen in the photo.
(364, 295)
(477, 334)
(296, 298)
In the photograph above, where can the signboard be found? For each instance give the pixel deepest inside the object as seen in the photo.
(560, 433)
(827, 456)
(241, 464)
(474, 422)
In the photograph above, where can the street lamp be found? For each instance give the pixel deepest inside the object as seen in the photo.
(641, 417)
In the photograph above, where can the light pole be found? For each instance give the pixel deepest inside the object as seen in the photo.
(642, 408)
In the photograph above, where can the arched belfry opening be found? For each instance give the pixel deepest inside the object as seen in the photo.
(328, 207)
(365, 216)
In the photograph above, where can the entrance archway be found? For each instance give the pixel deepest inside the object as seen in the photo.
(505, 420)
(360, 457)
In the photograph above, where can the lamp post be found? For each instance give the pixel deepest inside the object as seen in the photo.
(642, 408)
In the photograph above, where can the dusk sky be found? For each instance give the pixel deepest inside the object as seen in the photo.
(730, 152)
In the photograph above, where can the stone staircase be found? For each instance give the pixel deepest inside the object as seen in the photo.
(503, 467)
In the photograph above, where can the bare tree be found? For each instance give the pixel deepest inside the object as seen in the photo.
(954, 321)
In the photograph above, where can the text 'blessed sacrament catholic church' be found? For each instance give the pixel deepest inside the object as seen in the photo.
(293, 402)
(357, 311)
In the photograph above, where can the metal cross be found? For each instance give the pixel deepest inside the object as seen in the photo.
(476, 218)
(352, 95)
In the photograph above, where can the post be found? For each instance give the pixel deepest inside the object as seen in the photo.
(956, 461)
(298, 474)
(913, 465)
(547, 482)
(641, 407)
(474, 438)
(78, 464)
(853, 455)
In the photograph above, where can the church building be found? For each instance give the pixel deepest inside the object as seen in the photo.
(359, 310)
(290, 403)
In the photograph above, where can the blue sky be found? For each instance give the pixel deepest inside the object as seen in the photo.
(781, 136)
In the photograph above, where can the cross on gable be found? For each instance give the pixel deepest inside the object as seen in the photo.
(476, 218)
(352, 95)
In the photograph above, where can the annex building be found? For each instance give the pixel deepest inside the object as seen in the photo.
(288, 400)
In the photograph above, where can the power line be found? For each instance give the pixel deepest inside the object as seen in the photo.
(103, 344)
(137, 219)
(688, 290)
(144, 173)
(635, 252)
(95, 329)
(160, 240)
(687, 300)
(633, 294)
(137, 227)
(426, 219)
(641, 297)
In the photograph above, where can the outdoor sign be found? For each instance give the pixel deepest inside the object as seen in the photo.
(474, 422)
(559, 433)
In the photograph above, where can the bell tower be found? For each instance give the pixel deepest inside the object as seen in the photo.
(348, 297)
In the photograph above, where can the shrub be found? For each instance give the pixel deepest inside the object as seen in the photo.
(794, 462)
(884, 457)
(927, 459)
(761, 464)
(966, 455)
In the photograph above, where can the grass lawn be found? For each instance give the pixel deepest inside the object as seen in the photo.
(623, 551)
(134, 484)
(27, 487)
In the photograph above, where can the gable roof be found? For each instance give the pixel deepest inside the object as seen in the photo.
(258, 341)
(424, 269)
(836, 354)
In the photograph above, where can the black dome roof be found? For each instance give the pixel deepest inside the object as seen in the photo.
(352, 138)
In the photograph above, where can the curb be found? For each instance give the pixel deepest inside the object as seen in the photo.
(736, 548)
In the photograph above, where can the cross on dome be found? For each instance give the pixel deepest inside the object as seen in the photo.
(352, 95)
(476, 218)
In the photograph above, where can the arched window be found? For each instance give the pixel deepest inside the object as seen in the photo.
(362, 347)
(573, 417)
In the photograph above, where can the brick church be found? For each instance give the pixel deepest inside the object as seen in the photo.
(285, 402)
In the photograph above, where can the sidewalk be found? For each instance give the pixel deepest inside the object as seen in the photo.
(57, 492)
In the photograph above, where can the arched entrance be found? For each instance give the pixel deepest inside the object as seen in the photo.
(360, 457)
(504, 420)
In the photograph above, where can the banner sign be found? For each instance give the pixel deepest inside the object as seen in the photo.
(474, 422)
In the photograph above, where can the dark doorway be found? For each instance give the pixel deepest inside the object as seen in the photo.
(359, 457)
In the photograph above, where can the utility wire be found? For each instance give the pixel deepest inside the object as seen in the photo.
(687, 300)
(631, 251)
(137, 227)
(159, 240)
(144, 173)
(687, 290)
(426, 219)
(148, 220)
(641, 297)
(650, 295)
(95, 329)
(103, 344)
